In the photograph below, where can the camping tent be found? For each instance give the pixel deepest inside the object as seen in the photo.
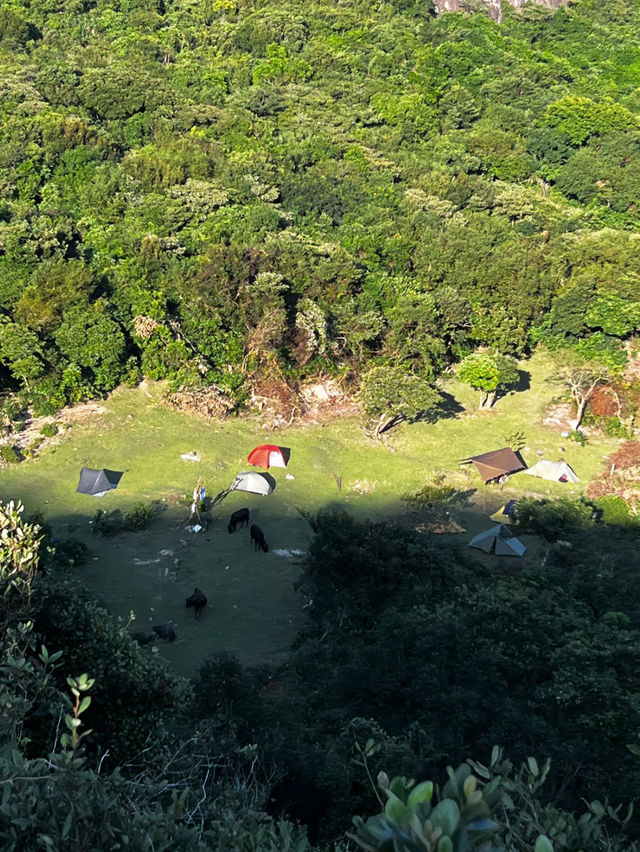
(557, 471)
(254, 482)
(504, 513)
(97, 483)
(497, 463)
(269, 455)
(498, 540)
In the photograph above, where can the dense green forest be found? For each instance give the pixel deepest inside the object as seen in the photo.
(249, 194)
(245, 193)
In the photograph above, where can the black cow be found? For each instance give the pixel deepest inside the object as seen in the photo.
(258, 539)
(164, 631)
(240, 516)
(198, 600)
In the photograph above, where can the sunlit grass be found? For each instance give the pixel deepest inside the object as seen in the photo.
(253, 609)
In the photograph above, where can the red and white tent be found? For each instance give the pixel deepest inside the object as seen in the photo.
(269, 455)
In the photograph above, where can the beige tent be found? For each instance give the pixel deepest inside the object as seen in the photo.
(498, 540)
(555, 471)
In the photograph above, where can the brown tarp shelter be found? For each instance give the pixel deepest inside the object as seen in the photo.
(497, 463)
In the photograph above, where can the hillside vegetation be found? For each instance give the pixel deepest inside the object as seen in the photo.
(245, 193)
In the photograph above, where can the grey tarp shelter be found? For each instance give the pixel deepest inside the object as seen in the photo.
(497, 463)
(498, 540)
(254, 482)
(558, 471)
(97, 483)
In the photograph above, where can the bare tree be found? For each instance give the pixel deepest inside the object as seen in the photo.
(581, 378)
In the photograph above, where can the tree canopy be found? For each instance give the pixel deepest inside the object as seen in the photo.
(216, 193)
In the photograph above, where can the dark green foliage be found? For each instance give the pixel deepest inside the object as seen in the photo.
(124, 781)
(108, 523)
(429, 654)
(49, 430)
(135, 698)
(139, 517)
(486, 807)
(553, 519)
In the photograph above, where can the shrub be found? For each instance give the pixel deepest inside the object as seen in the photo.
(108, 523)
(431, 494)
(578, 437)
(615, 428)
(140, 516)
(9, 455)
(49, 430)
(137, 518)
(552, 519)
(70, 551)
(615, 511)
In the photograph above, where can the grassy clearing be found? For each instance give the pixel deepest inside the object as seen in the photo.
(253, 609)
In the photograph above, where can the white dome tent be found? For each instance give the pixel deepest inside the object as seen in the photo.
(558, 471)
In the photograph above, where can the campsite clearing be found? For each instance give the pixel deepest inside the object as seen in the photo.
(253, 610)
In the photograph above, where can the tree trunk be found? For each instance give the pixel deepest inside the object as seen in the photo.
(487, 399)
(581, 403)
(386, 422)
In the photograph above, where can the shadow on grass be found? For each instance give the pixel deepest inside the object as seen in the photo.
(449, 407)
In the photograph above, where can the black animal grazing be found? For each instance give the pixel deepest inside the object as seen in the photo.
(240, 516)
(198, 600)
(258, 539)
(164, 631)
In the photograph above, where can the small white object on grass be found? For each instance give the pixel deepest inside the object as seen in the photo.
(289, 476)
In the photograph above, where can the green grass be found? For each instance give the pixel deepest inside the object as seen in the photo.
(253, 609)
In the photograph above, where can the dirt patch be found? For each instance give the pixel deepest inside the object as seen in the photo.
(560, 417)
(76, 413)
(440, 526)
(203, 402)
(325, 400)
(30, 440)
(278, 404)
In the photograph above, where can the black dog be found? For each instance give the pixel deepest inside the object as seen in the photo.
(258, 539)
(241, 516)
(198, 601)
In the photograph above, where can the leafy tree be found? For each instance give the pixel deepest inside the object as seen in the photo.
(392, 395)
(21, 351)
(579, 117)
(488, 373)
